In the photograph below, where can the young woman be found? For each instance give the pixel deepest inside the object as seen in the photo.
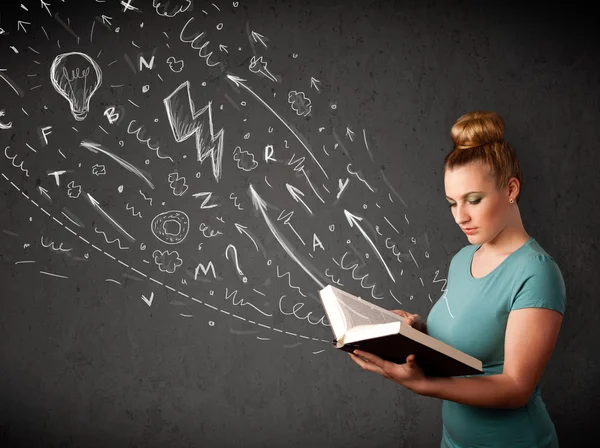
(503, 304)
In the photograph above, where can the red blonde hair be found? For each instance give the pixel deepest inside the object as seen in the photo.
(479, 138)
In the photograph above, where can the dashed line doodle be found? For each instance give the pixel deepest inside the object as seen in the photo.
(183, 294)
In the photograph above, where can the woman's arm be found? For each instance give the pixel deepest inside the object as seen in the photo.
(531, 334)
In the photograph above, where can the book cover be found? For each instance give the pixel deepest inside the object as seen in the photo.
(359, 324)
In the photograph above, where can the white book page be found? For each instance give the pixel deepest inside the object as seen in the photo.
(360, 312)
(361, 332)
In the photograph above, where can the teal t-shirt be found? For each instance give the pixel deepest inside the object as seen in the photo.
(472, 315)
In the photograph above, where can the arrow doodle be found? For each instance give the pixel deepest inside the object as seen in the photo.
(261, 205)
(353, 220)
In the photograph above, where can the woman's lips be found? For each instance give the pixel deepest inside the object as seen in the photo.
(470, 231)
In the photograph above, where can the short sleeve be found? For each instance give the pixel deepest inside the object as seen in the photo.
(541, 285)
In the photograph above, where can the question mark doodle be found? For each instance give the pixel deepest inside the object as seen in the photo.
(237, 263)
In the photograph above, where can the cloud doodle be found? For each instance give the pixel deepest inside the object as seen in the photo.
(245, 160)
(167, 261)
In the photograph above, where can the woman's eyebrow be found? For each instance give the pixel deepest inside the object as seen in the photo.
(465, 195)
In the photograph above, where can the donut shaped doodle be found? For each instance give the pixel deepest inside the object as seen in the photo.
(160, 222)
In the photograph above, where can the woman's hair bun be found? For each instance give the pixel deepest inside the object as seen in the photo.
(476, 129)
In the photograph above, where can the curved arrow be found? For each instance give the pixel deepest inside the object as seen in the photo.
(261, 205)
(353, 220)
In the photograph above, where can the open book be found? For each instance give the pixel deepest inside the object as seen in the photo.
(359, 324)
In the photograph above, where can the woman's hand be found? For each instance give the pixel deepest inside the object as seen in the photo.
(414, 320)
(409, 375)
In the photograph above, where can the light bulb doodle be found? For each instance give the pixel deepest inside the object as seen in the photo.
(76, 77)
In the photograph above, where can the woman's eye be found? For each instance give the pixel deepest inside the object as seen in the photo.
(476, 201)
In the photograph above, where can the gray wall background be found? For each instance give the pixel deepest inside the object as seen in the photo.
(87, 362)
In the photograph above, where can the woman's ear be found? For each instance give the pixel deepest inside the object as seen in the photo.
(514, 187)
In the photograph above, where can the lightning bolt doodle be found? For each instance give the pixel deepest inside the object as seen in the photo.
(186, 121)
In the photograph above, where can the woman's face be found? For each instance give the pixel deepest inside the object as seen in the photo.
(475, 202)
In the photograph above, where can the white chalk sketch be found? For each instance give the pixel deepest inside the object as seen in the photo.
(112, 115)
(117, 240)
(239, 82)
(237, 262)
(211, 233)
(98, 170)
(146, 197)
(12, 161)
(257, 65)
(286, 221)
(289, 277)
(119, 262)
(57, 175)
(259, 38)
(44, 193)
(298, 195)
(140, 133)
(337, 282)
(76, 77)
(171, 8)
(96, 147)
(73, 190)
(4, 125)
(179, 224)
(207, 196)
(185, 122)
(313, 84)
(261, 205)
(299, 168)
(245, 160)
(205, 269)
(357, 174)
(150, 300)
(167, 261)
(234, 198)
(297, 306)
(242, 302)
(132, 209)
(300, 103)
(354, 220)
(353, 268)
(110, 219)
(194, 41)
(52, 247)
(350, 133)
(243, 229)
(175, 65)
(177, 184)
(342, 186)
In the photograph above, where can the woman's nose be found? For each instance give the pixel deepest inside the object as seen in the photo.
(461, 215)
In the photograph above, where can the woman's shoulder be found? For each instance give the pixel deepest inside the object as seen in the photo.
(538, 281)
(465, 252)
(535, 260)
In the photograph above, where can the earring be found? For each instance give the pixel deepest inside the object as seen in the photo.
(511, 200)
